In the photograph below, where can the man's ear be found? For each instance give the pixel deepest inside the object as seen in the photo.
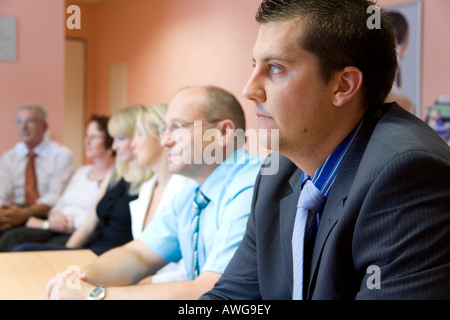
(348, 85)
(227, 129)
(224, 125)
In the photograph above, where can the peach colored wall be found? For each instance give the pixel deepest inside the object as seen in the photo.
(170, 44)
(38, 73)
(435, 48)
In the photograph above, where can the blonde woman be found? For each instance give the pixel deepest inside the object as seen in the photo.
(109, 225)
(158, 192)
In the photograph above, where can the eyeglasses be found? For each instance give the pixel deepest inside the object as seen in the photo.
(176, 125)
(27, 122)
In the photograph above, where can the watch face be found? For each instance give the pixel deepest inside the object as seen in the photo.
(97, 293)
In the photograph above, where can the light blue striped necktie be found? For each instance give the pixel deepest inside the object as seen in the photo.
(309, 204)
(200, 203)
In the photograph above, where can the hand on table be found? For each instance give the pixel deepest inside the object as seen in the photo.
(68, 285)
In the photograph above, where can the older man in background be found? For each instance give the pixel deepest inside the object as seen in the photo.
(34, 172)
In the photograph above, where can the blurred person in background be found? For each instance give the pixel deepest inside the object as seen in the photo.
(109, 224)
(79, 197)
(157, 193)
(34, 173)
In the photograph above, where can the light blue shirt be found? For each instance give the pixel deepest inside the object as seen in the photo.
(222, 223)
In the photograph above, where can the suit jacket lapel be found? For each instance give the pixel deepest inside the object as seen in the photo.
(335, 204)
(288, 210)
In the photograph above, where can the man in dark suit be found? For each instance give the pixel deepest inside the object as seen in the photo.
(383, 231)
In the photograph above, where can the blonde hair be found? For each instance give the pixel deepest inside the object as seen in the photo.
(149, 119)
(122, 123)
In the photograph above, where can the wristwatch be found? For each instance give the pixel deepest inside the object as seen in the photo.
(98, 293)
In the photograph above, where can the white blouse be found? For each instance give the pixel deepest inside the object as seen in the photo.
(79, 197)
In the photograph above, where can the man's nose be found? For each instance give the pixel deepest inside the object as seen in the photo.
(254, 90)
(166, 138)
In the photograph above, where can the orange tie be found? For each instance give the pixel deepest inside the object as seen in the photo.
(31, 191)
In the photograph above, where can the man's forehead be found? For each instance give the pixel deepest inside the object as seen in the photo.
(27, 113)
(186, 104)
(277, 40)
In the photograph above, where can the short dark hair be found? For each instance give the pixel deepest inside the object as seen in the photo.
(102, 125)
(337, 33)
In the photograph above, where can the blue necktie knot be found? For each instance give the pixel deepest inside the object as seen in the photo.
(200, 200)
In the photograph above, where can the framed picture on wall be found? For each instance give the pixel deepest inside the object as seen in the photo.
(8, 38)
(407, 21)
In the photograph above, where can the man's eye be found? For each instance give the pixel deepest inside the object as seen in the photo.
(177, 125)
(275, 69)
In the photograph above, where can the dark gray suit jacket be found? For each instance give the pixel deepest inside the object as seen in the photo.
(385, 228)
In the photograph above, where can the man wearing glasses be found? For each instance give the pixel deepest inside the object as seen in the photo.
(34, 173)
(205, 222)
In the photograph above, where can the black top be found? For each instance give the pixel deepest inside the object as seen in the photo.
(113, 211)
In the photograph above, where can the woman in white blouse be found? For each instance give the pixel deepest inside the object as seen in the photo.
(157, 192)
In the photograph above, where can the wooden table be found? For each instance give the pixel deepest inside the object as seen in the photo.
(24, 275)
